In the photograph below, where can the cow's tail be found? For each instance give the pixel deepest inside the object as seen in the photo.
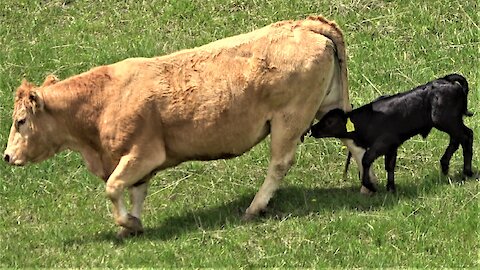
(457, 78)
(332, 31)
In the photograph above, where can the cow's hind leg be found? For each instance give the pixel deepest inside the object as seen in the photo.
(284, 140)
(138, 192)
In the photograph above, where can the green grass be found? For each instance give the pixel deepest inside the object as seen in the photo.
(55, 214)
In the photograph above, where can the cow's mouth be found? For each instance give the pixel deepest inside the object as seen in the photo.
(43, 156)
(18, 163)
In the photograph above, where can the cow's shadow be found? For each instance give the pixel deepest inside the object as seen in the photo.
(289, 201)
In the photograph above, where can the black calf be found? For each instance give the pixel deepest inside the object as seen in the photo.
(384, 124)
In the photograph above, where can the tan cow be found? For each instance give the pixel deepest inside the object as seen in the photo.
(135, 117)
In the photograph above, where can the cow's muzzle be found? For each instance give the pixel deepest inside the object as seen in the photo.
(6, 158)
(12, 161)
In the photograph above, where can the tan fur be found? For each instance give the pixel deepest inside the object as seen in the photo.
(140, 115)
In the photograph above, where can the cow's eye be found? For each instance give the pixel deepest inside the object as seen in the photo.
(19, 123)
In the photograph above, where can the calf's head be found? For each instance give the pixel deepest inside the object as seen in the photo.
(334, 124)
(30, 135)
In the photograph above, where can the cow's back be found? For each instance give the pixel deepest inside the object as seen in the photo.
(217, 100)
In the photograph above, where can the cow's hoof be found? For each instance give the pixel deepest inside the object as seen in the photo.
(366, 191)
(131, 227)
(248, 217)
(126, 232)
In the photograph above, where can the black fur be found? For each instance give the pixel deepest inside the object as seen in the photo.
(384, 124)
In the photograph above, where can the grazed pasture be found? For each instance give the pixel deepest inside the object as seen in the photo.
(55, 214)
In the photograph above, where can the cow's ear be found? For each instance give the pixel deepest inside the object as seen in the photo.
(50, 80)
(26, 84)
(36, 101)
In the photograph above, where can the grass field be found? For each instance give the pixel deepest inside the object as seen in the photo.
(55, 214)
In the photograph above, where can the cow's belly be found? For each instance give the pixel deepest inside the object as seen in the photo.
(222, 139)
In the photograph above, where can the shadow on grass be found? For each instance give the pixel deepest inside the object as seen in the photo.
(289, 201)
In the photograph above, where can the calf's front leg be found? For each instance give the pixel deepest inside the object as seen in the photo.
(357, 154)
(367, 160)
(376, 150)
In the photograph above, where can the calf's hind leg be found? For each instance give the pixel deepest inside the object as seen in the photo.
(467, 146)
(447, 156)
(390, 163)
(459, 134)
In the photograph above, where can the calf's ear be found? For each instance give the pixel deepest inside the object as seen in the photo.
(337, 113)
(50, 80)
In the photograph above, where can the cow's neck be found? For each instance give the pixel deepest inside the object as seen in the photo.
(76, 104)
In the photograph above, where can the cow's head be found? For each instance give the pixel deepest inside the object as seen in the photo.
(333, 124)
(30, 135)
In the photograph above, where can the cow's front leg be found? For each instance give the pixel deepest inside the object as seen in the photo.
(129, 171)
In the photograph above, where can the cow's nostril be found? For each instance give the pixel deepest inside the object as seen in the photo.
(6, 157)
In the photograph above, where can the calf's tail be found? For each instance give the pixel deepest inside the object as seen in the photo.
(347, 164)
(457, 78)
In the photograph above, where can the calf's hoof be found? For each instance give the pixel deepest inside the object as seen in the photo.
(391, 189)
(468, 173)
(444, 167)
